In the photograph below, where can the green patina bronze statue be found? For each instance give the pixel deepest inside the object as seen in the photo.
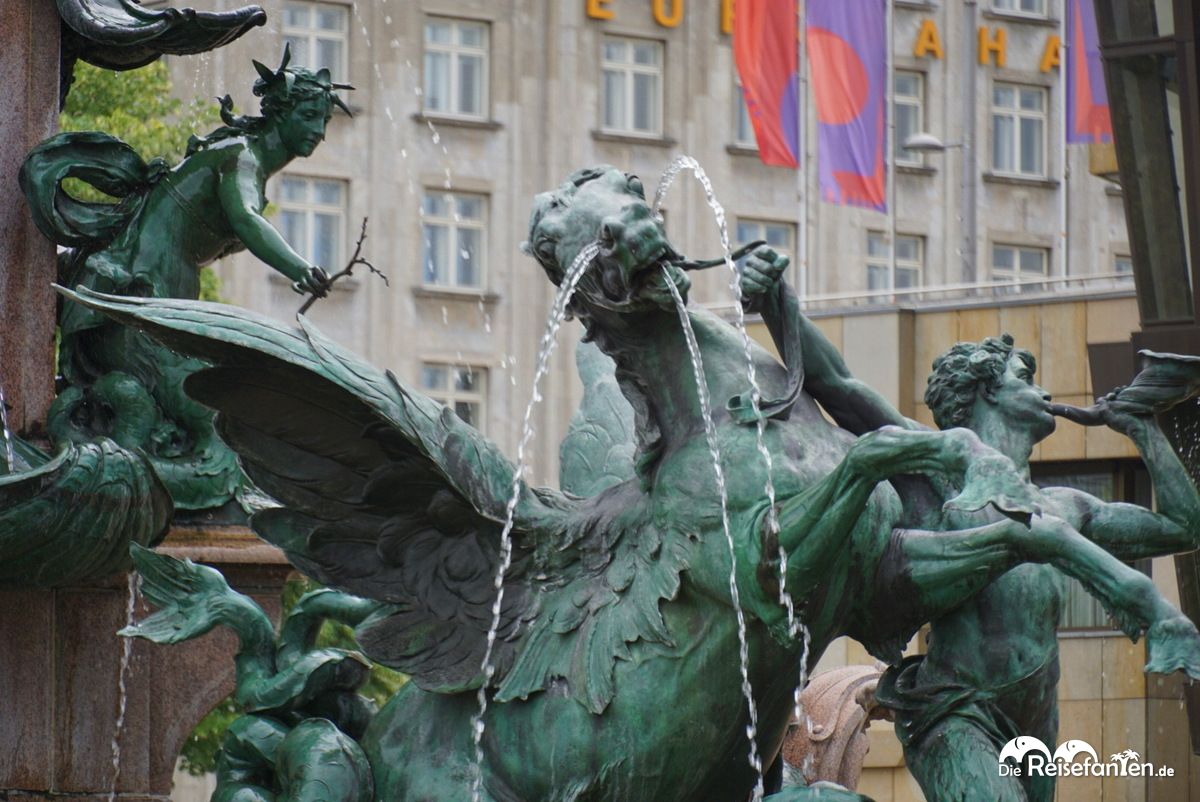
(167, 223)
(133, 447)
(991, 671)
(296, 739)
(616, 658)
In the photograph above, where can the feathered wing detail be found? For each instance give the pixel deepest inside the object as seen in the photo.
(599, 449)
(72, 518)
(386, 494)
(629, 565)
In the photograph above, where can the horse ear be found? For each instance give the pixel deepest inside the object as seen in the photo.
(323, 76)
(287, 56)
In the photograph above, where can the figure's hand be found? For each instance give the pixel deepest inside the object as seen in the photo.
(761, 273)
(314, 281)
(1116, 416)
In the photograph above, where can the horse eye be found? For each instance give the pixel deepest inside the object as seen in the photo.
(545, 249)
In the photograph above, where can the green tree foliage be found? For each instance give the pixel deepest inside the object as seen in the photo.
(199, 754)
(137, 107)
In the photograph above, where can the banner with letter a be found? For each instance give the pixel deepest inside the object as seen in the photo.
(847, 55)
(764, 48)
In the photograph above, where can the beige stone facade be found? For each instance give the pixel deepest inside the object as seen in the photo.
(542, 116)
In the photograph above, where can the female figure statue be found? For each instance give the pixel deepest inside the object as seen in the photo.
(166, 224)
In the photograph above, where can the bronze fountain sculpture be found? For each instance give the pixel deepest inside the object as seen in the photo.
(611, 658)
(613, 599)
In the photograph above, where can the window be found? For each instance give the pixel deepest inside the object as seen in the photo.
(462, 388)
(909, 97)
(1014, 262)
(910, 259)
(1019, 130)
(1123, 267)
(631, 89)
(456, 68)
(312, 218)
(453, 225)
(317, 33)
(743, 131)
(779, 236)
(1036, 8)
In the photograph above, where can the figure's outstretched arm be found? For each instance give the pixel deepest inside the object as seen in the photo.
(241, 195)
(1131, 532)
(854, 405)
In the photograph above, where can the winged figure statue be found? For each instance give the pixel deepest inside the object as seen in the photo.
(616, 661)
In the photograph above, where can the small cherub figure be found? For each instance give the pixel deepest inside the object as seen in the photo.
(167, 223)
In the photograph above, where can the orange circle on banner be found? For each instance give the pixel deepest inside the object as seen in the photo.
(839, 78)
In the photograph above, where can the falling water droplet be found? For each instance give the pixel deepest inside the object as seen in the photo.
(710, 435)
(558, 313)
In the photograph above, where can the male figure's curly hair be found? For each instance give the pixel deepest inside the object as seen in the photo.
(960, 373)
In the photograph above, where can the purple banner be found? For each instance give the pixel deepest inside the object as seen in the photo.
(1088, 118)
(847, 52)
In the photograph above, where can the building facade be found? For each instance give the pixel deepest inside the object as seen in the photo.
(465, 109)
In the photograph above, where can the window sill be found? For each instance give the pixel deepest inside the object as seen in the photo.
(1114, 191)
(1027, 19)
(916, 169)
(916, 5)
(741, 150)
(458, 122)
(1021, 181)
(633, 139)
(455, 294)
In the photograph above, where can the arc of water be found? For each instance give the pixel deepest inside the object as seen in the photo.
(558, 313)
(10, 460)
(795, 626)
(710, 435)
(132, 584)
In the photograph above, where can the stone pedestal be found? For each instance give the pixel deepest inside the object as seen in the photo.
(59, 669)
(29, 70)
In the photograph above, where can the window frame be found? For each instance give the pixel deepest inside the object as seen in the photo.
(454, 52)
(309, 208)
(918, 158)
(1043, 13)
(1017, 114)
(1017, 273)
(453, 222)
(629, 69)
(339, 73)
(742, 112)
(884, 261)
(449, 396)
